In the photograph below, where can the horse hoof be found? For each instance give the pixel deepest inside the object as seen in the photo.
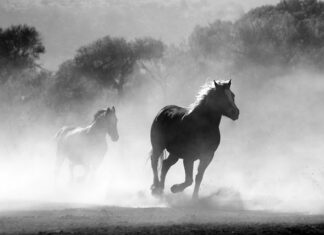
(195, 198)
(175, 189)
(156, 191)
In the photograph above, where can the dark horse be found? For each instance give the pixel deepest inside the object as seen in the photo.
(190, 134)
(86, 146)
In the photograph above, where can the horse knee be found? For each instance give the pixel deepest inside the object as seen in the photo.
(199, 177)
(171, 160)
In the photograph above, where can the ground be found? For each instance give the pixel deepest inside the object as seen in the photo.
(80, 219)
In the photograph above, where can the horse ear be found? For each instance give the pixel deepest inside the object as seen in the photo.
(108, 110)
(216, 84)
(113, 108)
(229, 83)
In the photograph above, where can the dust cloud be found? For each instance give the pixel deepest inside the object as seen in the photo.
(269, 159)
(272, 156)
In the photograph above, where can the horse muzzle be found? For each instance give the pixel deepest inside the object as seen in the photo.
(233, 114)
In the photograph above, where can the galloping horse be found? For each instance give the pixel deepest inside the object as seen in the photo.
(190, 134)
(86, 146)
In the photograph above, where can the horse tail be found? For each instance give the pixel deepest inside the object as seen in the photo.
(162, 157)
(59, 157)
(59, 154)
(59, 134)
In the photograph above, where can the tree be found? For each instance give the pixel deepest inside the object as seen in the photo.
(285, 34)
(148, 48)
(20, 47)
(216, 41)
(149, 53)
(70, 87)
(110, 61)
(267, 36)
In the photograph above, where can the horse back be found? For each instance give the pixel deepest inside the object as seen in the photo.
(63, 131)
(166, 124)
(173, 131)
(80, 147)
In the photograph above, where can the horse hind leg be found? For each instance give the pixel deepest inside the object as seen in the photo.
(58, 163)
(71, 170)
(86, 174)
(94, 169)
(156, 154)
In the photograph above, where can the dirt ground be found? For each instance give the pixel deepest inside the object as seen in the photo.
(80, 219)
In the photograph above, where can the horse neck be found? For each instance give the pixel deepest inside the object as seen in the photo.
(96, 130)
(204, 115)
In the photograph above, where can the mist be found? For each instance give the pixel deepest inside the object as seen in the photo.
(67, 25)
(270, 159)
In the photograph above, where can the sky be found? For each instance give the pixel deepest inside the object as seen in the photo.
(66, 25)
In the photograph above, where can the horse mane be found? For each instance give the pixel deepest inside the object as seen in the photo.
(98, 114)
(204, 91)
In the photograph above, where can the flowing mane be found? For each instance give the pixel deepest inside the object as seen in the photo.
(98, 114)
(204, 91)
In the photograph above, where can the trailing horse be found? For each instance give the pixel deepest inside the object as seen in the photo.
(190, 134)
(86, 146)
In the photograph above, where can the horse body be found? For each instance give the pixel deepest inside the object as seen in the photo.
(185, 135)
(190, 134)
(78, 144)
(86, 146)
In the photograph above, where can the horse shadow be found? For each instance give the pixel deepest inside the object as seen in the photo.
(225, 199)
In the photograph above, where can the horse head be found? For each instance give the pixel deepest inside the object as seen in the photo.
(223, 99)
(111, 123)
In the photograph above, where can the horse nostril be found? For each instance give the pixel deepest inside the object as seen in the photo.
(235, 113)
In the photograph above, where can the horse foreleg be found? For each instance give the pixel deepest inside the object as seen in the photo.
(71, 168)
(94, 169)
(166, 164)
(188, 166)
(203, 164)
(58, 164)
(86, 174)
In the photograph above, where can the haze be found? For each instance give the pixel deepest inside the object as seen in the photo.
(67, 25)
(270, 159)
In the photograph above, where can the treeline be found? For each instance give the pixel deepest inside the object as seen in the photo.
(285, 35)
